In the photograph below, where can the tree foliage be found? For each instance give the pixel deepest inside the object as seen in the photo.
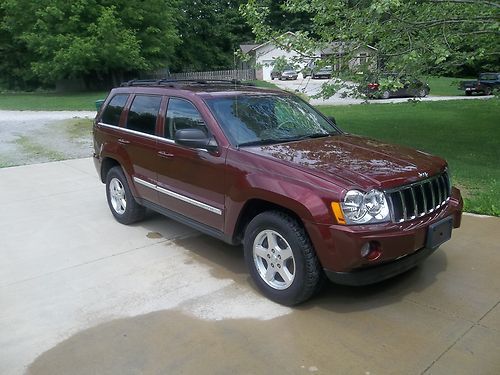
(211, 30)
(411, 36)
(56, 39)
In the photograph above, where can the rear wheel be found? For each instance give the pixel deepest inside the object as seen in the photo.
(422, 93)
(120, 199)
(281, 258)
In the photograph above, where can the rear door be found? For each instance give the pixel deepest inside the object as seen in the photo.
(140, 143)
(190, 181)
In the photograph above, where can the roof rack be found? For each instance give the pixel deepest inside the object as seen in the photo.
(176, 82)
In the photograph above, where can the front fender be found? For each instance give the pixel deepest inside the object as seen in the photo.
(305, 201)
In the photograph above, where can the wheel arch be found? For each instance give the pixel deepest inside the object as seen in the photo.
(109, 162)
(106, 165)
(254, 207)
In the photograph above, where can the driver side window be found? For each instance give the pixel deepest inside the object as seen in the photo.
(182, 114)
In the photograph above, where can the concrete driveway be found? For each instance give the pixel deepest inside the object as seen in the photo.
(82, 294)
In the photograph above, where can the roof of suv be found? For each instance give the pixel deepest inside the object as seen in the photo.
(203, 88)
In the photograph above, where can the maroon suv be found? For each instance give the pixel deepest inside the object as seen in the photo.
(265, 169)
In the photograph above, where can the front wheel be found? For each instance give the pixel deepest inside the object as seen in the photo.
(120, 199)
(281, 258)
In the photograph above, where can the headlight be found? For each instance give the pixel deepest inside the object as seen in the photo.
(363, 208)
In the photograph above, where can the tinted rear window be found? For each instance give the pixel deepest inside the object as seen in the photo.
(143, 112)
(113, 111)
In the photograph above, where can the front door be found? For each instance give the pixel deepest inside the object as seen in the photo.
(190, 181)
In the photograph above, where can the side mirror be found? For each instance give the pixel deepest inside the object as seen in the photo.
(195, 138)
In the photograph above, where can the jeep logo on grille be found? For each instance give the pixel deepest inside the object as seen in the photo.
(423, 174)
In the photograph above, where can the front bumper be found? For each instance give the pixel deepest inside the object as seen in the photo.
(381, 272)
(403, 245)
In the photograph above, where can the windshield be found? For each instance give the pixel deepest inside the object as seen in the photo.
(252, 120)
(488, 76)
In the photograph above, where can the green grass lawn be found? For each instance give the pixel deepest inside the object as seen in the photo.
(51, 101)
(466, 133)
(264, 84)
(67, 101)
(445, 86)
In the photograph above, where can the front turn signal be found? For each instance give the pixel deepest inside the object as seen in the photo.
(337, 212)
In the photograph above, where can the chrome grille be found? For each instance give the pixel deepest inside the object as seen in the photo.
(420, 198)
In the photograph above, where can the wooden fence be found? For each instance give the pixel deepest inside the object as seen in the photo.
(238, 74)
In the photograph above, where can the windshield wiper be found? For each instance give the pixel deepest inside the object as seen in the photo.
(259, 142)
(271, 141)
(309, 136)
(317, 135)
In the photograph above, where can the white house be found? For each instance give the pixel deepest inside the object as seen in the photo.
(263, 56)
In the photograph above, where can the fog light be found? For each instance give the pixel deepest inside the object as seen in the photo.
(371, 250)
(365, 250)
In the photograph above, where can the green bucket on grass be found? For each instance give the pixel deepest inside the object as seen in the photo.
(98, 104)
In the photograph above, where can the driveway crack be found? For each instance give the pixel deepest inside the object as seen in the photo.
(474, 324)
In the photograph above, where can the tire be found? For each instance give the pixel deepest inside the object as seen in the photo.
(422, 93)
(386, 95)
(288, 272)
(468, 93)
(121, 202)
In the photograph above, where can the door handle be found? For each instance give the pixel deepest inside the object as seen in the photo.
(165, 154)
(123, 141)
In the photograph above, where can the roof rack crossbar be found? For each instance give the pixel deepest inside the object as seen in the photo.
(172, 81)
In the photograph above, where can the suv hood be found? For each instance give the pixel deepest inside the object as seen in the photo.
(359, 161)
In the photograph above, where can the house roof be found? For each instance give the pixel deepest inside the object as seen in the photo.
(245, 48)
(333, 47)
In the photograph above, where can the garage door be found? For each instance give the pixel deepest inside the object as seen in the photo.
(266, 69)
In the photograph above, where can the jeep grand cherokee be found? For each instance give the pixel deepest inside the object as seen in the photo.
(264, 169)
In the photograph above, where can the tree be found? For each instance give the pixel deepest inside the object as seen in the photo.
(211, 30)
(90, 38)
(419, 36)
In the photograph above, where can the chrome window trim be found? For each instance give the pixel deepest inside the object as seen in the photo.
(155, 137)
(135, 132)
(181, 197)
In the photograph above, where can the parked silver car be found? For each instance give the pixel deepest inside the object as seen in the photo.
(287, 73)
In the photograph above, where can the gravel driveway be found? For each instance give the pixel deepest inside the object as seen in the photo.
(311, 87)
(28, 137)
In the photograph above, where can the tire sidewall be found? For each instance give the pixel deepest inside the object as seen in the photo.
(268, 221)
(126, 217)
